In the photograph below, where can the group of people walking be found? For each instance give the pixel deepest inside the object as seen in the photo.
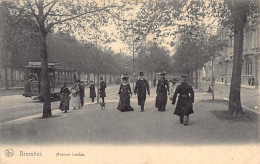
(183, 91)
(73, 97)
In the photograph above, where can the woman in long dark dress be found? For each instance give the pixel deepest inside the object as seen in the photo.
(161, 91)
(92, 91)
(124, 92)
(64, 98)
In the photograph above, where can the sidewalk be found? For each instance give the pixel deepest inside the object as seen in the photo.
(249, 97)
(91, 125)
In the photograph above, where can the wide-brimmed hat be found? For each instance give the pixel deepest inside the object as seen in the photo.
(162, 73)
(184, 76)
(125, 77)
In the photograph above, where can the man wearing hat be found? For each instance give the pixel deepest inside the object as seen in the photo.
(102, 92)
(161, 91)
(140, 88)
(185, 99)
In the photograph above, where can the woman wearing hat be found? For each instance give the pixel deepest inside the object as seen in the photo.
(124, 92)
(161, 91)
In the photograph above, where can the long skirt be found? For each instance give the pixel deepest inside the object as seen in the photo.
(64, 102)
(75, 101)
(183, 107)
(161, 100)
(124, 103)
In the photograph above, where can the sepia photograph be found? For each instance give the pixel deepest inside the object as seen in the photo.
(129, 81)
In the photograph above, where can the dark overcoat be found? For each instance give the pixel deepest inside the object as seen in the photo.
(185, 99)
(161, 98)
(140, 88)
(81, 90)
(102, 91)
(92, 90)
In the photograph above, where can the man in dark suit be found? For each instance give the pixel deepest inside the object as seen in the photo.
(81, 92)
(102, 92)
(141, 87)
(185, 100)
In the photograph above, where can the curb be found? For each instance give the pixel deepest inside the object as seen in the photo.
(245, 107)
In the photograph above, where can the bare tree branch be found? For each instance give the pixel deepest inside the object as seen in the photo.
(47, 13)
(33, 11)
(48, 4)
(77, 16)
(36, 4)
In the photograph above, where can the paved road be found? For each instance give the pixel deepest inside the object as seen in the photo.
(93, 125)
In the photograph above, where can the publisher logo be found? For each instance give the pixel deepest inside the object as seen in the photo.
(9, 152)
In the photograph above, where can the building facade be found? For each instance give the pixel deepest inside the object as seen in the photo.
(222, 65)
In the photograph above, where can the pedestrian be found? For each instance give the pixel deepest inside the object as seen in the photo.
(161, 91)
(172, 86)
(253, 81)
(124, 93)
(141, 87)
(92, 91)
(64, 98)
(154, 82)
(81, 93)
(185, 100)
(249, 81)
(75, 98)
(102, 91)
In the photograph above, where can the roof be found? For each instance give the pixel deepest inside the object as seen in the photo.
(59, 66)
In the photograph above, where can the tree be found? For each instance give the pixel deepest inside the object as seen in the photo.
(235, 14)
(18, 38)
(47, 14)
(196, 47)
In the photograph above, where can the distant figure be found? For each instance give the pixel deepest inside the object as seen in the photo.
(92, 91)
(161, 91)
(249, 81)
(222, 79)
(81, 93)
(185, 99)
(154, 82)
(75, 98)
(141, 87)
(172, 86)
(253, 81)
(32, 77)
(124, 93)
(102, 92)
(64, 98)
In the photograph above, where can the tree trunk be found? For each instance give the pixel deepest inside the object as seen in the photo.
(45, 78)
(234, 96)
(6, 78)
(11, 77)
(88, 78)
(196, 79)
(110, 80)
(98, 86)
